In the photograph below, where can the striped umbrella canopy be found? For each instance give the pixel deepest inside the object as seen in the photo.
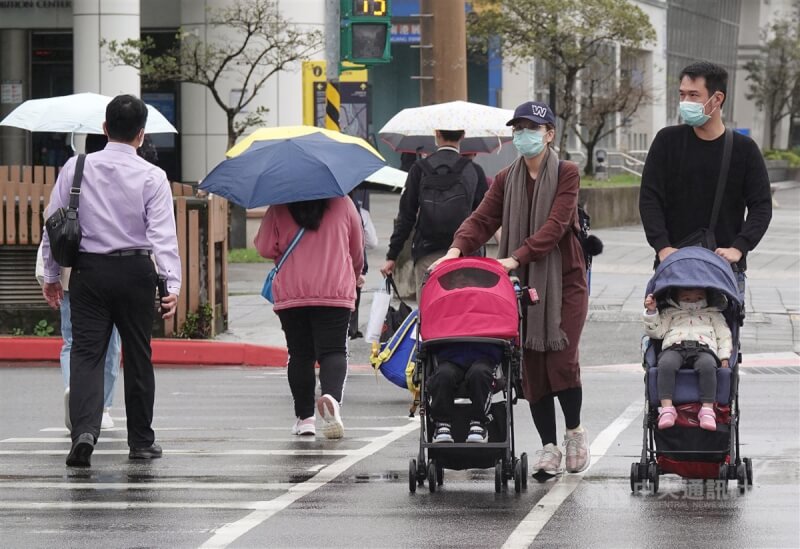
(292, 164)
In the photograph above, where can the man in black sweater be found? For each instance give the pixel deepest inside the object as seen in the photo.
(428, 244)
(682, 170)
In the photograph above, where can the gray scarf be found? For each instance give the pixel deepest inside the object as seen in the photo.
(522, 219)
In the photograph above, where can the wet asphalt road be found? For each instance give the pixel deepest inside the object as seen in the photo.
(232, 475)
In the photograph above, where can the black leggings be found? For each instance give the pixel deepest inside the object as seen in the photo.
(315, 334)
(544, 413)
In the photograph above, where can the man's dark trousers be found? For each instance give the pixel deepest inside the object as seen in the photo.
(107, 290)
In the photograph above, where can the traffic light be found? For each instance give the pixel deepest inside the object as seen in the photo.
(366, 27)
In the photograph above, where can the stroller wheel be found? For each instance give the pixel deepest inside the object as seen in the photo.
(518, 476)
(523, 459)
(748, 468)
(412, 475)
(741, 477)
(439, 475)
(652, 473)
(421, 473)
(636, 481)
(498, 476)
(432, 483)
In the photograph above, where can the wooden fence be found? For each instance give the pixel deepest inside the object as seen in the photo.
(204, 260)
(202, 226)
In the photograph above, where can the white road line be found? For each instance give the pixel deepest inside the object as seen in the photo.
(230, 532)
(243, 452)
(122, 505)
(545, 508)
(316, 468)
(66, 441)
(227, 429)
(146, 485)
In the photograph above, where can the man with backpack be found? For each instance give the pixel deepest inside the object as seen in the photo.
(441, 191)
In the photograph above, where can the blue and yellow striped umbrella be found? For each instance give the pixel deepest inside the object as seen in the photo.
(291, 164)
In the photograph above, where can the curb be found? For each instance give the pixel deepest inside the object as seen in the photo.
(181, 352)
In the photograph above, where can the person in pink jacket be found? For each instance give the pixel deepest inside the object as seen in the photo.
(314, 293)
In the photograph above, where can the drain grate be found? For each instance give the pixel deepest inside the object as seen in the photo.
(773, 370)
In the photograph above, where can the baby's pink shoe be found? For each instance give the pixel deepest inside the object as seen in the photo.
(666, 417)
(707, 418)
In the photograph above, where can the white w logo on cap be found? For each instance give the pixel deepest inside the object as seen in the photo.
(539, 111)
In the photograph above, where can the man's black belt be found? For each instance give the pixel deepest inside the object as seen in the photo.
(128, 253)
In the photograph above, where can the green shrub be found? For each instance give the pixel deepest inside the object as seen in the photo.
(792, 156)
(198, 325)
(43, 329)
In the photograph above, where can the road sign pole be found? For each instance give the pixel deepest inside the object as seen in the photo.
(332, 96)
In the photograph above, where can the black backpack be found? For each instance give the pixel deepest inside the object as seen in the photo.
(445, 201)
(590, 244)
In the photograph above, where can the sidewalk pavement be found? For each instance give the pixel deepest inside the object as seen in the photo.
(619, 278)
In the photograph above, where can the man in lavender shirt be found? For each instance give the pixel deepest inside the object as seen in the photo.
(126, 217)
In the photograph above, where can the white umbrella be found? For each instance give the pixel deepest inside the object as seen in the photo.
(77, 113)
(484, 127)
(389, 177)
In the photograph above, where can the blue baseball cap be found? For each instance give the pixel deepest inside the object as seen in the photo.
(535, 111)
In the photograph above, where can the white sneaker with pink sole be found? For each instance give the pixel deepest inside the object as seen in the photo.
(328, 408)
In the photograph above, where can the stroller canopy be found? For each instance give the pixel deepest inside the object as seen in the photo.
(696, 267)
(468, 297)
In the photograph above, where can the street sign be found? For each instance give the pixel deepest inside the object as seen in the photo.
(354, 92)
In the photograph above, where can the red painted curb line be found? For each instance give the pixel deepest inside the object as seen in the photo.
(165, 351)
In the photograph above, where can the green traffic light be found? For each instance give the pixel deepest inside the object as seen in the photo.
(366, 29)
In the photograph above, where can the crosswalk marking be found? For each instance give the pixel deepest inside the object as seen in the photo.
(230, 532)
(66, 441)
(242, 452)
(137, 486)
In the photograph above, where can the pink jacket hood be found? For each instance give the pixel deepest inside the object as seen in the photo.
(323, 268)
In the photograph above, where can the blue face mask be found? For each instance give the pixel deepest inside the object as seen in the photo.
(529, 143)
(694, 113)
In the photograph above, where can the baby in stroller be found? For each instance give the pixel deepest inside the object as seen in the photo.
(702, 310)
(474, 363)
(694, 333)
(468, 362)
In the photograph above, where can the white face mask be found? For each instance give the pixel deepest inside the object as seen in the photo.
(692, 306)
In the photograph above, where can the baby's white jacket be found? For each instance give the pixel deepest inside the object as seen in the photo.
(706, 325)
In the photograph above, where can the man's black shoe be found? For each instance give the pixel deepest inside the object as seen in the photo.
(151, 452)
(81, 453)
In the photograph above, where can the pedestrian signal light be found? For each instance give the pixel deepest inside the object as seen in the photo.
(366, 31)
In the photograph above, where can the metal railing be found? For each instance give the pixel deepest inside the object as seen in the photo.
(627, 162)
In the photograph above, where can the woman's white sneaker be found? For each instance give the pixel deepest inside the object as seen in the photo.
(328, 408)
(547, 461)
(304, 427)
(577, 449)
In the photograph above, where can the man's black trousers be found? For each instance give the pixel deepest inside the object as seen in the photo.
(107, 291)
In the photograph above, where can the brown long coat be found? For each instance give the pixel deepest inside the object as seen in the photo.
(546, 372)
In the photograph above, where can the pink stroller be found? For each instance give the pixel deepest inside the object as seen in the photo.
(470, 301)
